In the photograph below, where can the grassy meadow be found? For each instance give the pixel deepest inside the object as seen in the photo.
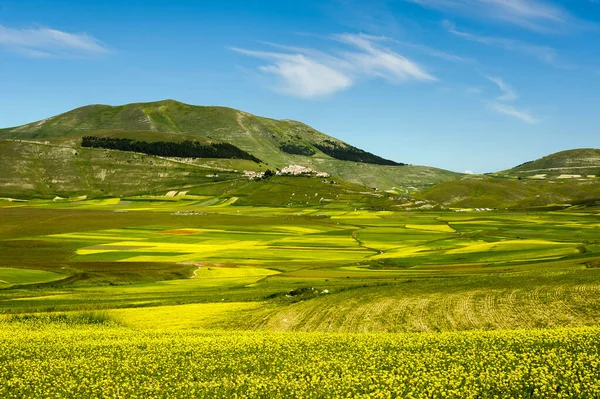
(191, 295)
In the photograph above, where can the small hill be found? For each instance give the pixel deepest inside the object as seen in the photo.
(577, 163)
(566, 177)
(495, 192)
(276, 143)
(268, 139)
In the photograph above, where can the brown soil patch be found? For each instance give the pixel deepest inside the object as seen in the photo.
(208, 264)
(449, 268)
(181, 231)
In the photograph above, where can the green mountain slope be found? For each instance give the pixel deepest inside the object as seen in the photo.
(566, 177)
(581, 162)
(61, 171)
(264, 138)
(494, 192)
(48, 170)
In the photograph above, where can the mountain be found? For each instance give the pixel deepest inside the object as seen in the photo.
(577, 163)
(566, 177)
(47, 156)
(494, 192)
(262, 137)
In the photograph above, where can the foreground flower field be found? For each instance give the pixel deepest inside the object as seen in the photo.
(62, 359)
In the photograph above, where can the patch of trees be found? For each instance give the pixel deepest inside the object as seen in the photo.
(297, 148)
(349, 153)
(185, 149)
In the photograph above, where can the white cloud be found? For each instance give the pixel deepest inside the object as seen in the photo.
(300, 75)
(509, 110)
(377, 61)
(31, 53)
(536, 15)
(468, 172)
(44, 43)
(306, 72)
(545, 54)
(435, 52)
(508, 94)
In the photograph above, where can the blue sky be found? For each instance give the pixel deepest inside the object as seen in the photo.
(477, 85)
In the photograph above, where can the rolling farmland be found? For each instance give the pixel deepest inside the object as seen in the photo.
(485, 297)
(299, 199)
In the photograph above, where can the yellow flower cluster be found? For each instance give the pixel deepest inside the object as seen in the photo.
(103, 361)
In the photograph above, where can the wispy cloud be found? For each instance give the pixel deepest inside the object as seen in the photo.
(46, 43)
(508, 94)
(433, 52)
(545, 54)
(536, 15)
(420, 48)
(300, 75)
(374, 60)
(306, 72)
(509, 110)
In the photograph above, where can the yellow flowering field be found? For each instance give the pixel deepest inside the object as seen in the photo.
(56, 358)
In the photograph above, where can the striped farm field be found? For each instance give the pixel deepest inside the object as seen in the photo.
(179, 299)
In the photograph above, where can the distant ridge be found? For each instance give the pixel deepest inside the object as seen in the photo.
(565, 178)
(277, 143)
(263, 137)
(576, 162)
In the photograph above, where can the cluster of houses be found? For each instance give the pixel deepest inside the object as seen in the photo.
(250, 174)
(295, 170)
(291, 170)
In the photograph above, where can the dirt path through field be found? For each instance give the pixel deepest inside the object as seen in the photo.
(196, 271)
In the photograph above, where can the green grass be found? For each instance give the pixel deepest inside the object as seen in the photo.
(45, 171)
(581, 161)
(382, 270)
(176, 298)
(227, 190)
(499, 192)
(16, 276)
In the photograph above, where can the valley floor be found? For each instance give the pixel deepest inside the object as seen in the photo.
(162, 299)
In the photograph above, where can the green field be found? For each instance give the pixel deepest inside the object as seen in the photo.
(450, 304)
(10, 276)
